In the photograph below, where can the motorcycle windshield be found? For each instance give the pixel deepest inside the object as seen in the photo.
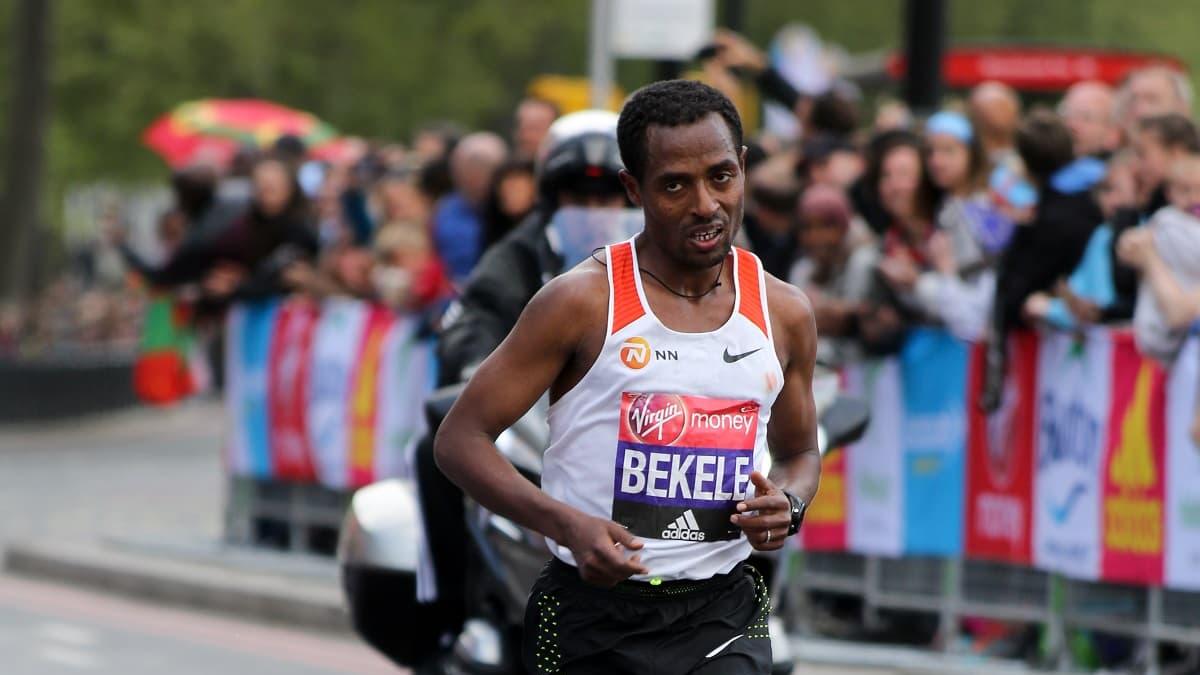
(577, 232)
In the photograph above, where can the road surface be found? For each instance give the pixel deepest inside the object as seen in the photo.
(47, 629)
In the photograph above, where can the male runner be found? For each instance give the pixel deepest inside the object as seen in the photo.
(672, 362)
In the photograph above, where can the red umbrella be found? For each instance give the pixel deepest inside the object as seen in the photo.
(212, 130)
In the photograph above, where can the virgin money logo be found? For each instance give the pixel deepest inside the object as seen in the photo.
(657, 418)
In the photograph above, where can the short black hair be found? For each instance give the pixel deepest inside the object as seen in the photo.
(835, 114)
(670, 103)
(1044, 144)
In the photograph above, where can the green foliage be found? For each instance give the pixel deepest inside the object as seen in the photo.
(380, 68)
(373, 68)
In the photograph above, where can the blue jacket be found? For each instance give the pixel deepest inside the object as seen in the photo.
(457, 235)
(1092, 279)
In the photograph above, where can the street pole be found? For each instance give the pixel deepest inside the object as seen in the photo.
(925, 36)
(733, 15)
(25, 156)
(600, 67)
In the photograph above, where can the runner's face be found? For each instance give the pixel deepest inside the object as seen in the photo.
(692, 191)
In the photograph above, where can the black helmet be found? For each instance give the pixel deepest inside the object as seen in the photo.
(580, 155)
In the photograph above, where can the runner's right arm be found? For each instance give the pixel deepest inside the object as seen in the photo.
(508, 383)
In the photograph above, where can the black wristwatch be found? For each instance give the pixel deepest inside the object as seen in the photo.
(797, 513)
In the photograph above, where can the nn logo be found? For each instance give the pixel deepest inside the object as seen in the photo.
(636, 354)
(684, 528)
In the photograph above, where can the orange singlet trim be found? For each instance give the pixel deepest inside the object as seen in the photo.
(627, 306)
(749, 293)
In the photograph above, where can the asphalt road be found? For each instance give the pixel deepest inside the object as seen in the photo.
(53, 630)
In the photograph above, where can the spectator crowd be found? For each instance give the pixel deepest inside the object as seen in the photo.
(986, 217)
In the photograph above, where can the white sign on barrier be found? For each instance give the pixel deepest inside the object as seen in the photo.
(874, 471)
(1182, 550)
(1072, 419)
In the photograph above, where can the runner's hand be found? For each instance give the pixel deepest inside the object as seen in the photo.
(774, 514)
(599, 547)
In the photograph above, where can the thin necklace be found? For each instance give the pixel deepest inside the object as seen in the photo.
(690, 296)
(716, 283)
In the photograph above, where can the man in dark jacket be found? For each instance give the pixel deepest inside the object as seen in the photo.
(579, 169)
(1051, 244)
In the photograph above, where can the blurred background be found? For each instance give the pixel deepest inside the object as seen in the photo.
(242, 242)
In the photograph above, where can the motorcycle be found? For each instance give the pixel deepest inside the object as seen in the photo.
(380, 540)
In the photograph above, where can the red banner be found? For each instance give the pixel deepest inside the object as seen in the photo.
(364, 397)
(1000, 457)
(1035, 68)
(287, 390)
(825, 520)
(1132, 518)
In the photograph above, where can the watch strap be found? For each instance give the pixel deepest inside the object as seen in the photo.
(798, 507)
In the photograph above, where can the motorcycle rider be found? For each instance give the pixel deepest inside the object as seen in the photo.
(578, 168)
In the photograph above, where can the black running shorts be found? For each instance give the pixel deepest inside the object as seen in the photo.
(713, 627)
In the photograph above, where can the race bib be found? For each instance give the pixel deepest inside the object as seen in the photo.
(683, 464)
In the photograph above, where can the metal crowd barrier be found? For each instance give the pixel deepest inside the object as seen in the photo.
(284, 515)
(955, 589)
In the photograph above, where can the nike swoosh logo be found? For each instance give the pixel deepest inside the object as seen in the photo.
(718, 650)
(734, 358)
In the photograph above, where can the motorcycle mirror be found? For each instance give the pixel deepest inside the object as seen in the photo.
(844, 422)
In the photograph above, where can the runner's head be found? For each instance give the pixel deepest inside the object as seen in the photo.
(681, 142)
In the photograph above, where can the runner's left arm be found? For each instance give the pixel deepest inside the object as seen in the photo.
(792, 433)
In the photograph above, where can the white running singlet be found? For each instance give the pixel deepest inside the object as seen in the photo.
(662, 432)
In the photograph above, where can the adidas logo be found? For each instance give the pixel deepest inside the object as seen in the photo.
(684, 528)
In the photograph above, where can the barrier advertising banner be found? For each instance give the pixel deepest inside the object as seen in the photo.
(1182, 564)
(364, 395)
(1087, 469)
(289, 374)
(1133, 468)
(874, 470)
(408, 372)
(335, 352)
(933, 368)
(1073, 404)
(1000, 457)
(248, 355)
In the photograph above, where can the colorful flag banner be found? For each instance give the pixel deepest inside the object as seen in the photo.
(332, 393)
